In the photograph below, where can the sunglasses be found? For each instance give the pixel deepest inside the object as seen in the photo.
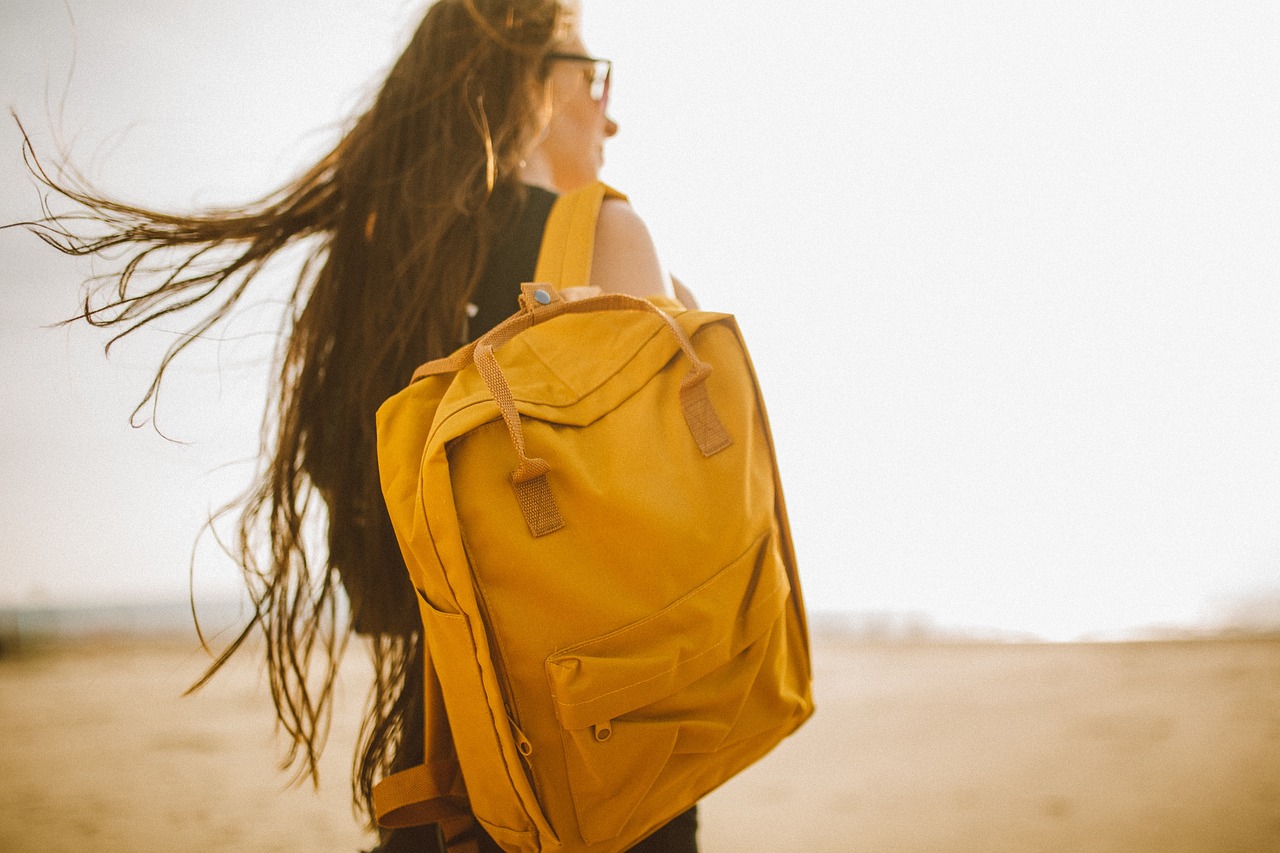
(599, 75)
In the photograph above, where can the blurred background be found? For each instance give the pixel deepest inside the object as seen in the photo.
(1009, 274)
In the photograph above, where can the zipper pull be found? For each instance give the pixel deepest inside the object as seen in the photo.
(522, 742)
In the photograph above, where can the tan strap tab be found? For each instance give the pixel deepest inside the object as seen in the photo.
(538, 505)
(704, 424)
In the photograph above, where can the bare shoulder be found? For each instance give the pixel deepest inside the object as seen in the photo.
(625, 259)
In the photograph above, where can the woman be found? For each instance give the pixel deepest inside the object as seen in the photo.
(422, 222)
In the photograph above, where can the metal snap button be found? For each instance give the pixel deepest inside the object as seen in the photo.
(542, 297)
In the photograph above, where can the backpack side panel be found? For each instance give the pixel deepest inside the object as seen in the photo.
(460, 733)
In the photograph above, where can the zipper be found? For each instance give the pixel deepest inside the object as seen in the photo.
(523, 745)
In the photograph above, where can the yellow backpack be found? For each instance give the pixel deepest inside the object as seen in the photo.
(590, 511)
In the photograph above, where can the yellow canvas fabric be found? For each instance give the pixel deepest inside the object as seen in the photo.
(590, 511)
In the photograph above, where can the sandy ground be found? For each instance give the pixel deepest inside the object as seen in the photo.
(1162, 747)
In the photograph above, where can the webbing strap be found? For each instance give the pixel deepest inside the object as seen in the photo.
(413, 798)
(533, 493)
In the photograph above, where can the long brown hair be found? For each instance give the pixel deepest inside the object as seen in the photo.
(399, 219)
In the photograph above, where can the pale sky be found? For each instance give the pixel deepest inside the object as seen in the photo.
(1009, 272)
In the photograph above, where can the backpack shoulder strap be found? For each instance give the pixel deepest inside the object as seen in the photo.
(434, 791)
(415, 797)
(569, 239)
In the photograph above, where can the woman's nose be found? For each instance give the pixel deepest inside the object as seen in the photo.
(610, 128)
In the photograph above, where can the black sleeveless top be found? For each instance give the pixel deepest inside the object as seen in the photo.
(512, 261)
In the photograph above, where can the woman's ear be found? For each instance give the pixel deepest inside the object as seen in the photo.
(534, 166)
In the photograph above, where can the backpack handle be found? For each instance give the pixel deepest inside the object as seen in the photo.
(533, 492)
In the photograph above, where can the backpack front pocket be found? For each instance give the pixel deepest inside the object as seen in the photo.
(647, 710)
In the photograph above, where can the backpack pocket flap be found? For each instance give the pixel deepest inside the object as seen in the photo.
(572, 369)
(607, 677)
(545, 365)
